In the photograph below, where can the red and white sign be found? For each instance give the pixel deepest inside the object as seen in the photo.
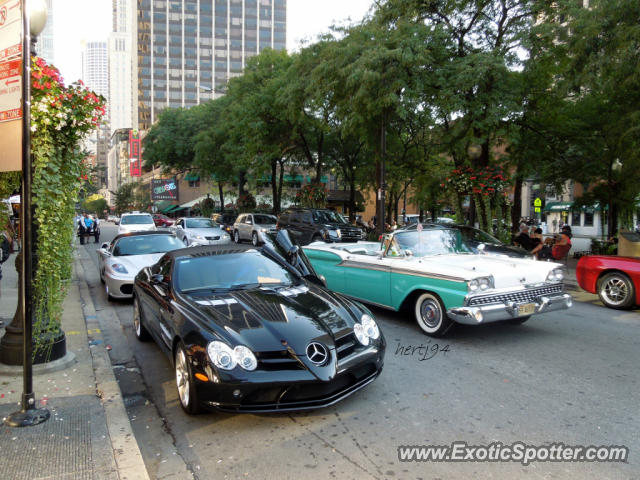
(135, 162)
(10, 29)
(11, 90)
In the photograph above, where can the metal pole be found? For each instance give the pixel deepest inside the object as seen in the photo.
(29, 414)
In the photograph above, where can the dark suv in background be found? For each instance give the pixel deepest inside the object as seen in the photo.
(308, 225)
(225, 220)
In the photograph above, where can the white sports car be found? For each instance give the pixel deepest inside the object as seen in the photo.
(121, 260)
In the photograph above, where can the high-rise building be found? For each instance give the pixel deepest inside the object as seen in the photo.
(120, 64)
(188, 49)
(44, 47)
(94, 68)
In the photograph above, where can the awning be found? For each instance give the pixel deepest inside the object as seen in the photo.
(192, 177)
(193, 202)
(168, 208)
(557, 206)
(343, 196)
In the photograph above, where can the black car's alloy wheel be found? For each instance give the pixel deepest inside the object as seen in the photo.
(184, 382)
(431, 316)
(616, 290)
(141, 332)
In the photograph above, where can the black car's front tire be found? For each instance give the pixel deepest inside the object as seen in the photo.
(431, 315)
(184, 382)
(142, 334)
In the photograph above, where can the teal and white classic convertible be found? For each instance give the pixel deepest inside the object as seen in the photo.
(436, 276)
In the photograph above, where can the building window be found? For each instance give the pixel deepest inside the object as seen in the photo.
(575, 218)
(194, 183)
(588, 219)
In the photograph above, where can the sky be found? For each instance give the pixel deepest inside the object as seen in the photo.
(79, 21)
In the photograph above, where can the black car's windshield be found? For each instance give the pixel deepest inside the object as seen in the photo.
(200, 223)
(136, 220)
(265, 220)
(327, 216)
(229, 271)
(429, 242)
(146, 245)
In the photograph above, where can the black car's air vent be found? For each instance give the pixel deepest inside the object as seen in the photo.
(345, 346)
(279, 360)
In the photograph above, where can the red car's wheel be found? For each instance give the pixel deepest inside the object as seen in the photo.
(616, 290)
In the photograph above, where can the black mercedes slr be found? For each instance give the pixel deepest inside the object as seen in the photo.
(255, 330)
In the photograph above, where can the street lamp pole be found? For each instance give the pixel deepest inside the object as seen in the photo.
(28, 414)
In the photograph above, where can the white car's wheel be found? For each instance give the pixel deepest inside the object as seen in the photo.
(254, 239)
(431, 316)
(236, 236)
(106, 289)
(186, 241)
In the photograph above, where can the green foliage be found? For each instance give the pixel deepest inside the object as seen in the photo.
(95, 204)
(132, 196)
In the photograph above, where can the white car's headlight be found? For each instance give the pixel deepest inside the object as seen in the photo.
(555, 275)
(264, 230)
(119, 268)
(361, 335)
(226, 236)
(199, 237)
(480, 284)
(370, 327)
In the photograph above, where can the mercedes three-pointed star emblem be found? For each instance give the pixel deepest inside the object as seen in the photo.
(317, 353)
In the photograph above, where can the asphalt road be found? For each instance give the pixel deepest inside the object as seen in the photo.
(567, 377)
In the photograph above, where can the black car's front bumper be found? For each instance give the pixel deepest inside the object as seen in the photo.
(291, 390)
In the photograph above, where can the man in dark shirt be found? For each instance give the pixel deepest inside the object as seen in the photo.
(523, 239)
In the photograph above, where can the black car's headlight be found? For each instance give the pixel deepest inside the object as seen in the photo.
(367, 329)
(555, 275)
(225, 358)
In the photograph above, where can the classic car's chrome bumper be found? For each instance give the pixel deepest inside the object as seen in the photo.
(509, 310)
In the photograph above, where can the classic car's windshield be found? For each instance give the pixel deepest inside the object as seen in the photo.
(476, 235)
(146, 245)
(265, 220)
(327, 216)
(229, 271)
(428, 242)
(200, 223)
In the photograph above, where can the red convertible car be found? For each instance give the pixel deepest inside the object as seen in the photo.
(616, 280)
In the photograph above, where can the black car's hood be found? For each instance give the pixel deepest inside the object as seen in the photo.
(276, 319)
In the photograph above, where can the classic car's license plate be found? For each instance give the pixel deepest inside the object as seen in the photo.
(526, 309)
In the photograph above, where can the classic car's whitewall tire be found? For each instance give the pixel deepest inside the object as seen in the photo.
(141, 332)
(431, 316)
(184, 382)
(616, 290)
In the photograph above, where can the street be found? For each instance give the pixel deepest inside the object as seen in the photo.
(566, 377)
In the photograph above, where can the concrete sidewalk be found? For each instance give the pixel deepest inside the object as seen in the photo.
(89, 435)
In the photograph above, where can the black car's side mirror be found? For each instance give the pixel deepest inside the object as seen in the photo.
(157, 279)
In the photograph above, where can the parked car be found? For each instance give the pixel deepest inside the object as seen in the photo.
(113, 218)
(194, 231)
(248, 332)
(225, 220)
(162, 220)
(437, 277)
(474, 238)
(616, 280)
(136, 222)
(308, 225)
(120, 260)
(253, 226)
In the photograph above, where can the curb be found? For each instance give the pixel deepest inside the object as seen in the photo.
(125, 447)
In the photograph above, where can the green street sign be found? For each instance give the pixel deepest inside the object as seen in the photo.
(537, 203)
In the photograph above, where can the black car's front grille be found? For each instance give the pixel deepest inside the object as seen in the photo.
(213, 238)
(522, 296)
(350, 233)
(279, 360)
(126, 289)
(345, 346)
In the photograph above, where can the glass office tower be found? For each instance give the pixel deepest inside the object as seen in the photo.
(188, 49)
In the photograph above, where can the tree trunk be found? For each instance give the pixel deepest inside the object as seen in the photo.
(221, 193)
(274, 185)
(516, 209)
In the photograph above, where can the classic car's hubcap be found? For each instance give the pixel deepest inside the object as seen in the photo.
(182, 378)
(615, 290)
(430, 313)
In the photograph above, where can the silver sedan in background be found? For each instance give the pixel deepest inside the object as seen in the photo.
(121, 260)
(194, 231)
